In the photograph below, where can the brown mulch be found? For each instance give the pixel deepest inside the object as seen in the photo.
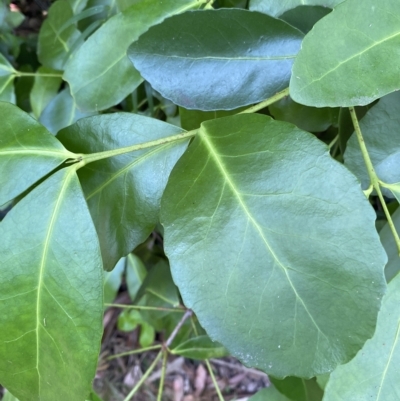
(186, 380)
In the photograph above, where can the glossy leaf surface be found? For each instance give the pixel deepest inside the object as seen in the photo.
(51, 300)
(245, 237)
(278, 7)
(27, 152)
(201, 347)
(123, 192)
(380, 129)
(92, 73)
(61, 112)
(44, 89)
(6, 80)
(373, 374)
(217, 59)
(349, 57)
(56, 36)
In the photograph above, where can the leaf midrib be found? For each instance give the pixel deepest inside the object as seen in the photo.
(42, 266)
(221, 167)
(349, 59)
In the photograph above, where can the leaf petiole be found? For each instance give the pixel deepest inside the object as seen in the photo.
(375, 182)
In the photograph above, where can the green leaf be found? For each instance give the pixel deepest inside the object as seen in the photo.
(322, 380)
(192, 119)
(159, 283)
(278, 265)
(380, 129)
(201, 347)
(55, 38)
(113, 280)
(269, 394)
(373, 374)
(93, 84)
(388, 242)
(276, 8)
(297, 389)
(304, 17)
(27, 152)
(7, 75)
(61, 112)
(350, 57)
(8, 397)
(135, 274)
(51, 290)
(217, 59)
(307, 118)
(44, 89)
(126, 188)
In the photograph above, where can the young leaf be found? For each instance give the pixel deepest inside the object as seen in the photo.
(276, 8)
(159, 283)
(44, 89)
(269, 394)
(61, 112)
(201, 347)
(135, 274)
(380, 129)
(278, 265)
(55, 38)
(349, 57)
(113, 280)
(95, 87)
(51, 290)
(217, 59)
(7, 75)
(126, 188)
(373, 374)
(27, 152)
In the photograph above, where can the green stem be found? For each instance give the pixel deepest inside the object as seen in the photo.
(141, 307)
(214, 380)
(375, 183)
(267, 102)
(135, 351)
(163, 373)
(36, 74)
(144, 377)
(90, 158)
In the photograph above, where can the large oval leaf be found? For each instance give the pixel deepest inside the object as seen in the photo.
(217, 59)
(374, 373)
(123, 192)
(51, 300)
(278, 7)
(27, 152)
(350, 57)
(277, 263)
(95, 87)
(380, 129)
